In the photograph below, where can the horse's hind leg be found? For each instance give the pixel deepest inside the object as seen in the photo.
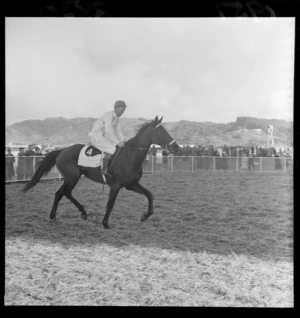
(68, 194)
(66, 189)
(58, 195)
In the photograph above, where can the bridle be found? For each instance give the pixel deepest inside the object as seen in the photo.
(172, 141)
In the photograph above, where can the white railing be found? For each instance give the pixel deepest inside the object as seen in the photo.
(203, 163)
(24, 167)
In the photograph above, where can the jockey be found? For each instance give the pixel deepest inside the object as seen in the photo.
(106, 133)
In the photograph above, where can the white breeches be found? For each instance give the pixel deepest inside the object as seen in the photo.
(103, 144)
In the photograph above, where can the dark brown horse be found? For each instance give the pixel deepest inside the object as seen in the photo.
(125, 168)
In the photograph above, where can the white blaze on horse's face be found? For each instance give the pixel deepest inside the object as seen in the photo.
(163, 138)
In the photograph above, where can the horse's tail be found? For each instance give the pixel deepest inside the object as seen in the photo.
(43, 168)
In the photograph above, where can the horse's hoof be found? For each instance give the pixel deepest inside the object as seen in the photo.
(52, 217)
(53, 220)
(144, 217)
(106, 226)
(83, 216)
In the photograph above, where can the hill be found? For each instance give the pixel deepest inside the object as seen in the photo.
(63, 131)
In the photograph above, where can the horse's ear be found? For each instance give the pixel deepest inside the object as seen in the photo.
(161, 119)
(156, 119)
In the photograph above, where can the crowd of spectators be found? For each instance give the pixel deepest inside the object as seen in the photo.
(228, 151)
(9, 165)
(26, 159)
(234, 151)
(23, 166)
(247, 153)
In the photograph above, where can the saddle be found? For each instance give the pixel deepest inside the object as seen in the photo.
(90, 156)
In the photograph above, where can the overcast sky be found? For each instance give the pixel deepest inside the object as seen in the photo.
(199, 69)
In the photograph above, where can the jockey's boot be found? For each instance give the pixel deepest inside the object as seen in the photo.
(105, 162)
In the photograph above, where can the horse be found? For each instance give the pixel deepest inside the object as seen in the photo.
(124, 168)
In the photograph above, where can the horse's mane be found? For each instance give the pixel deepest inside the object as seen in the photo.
(142, 127)
(140, 130)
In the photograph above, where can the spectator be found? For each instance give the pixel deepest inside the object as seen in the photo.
(234, 151)
(165, 156)
(9, 165)
(179, 152)
(244, 162)
(251, 162)
(29, 155)
(227, 151)
(224, 154)
(21, 169)
(206, 154)
(278, 164)
(38, 156)
(246, 150)
(217, 153)
(259, 152)
(198, 151)
(153, 152)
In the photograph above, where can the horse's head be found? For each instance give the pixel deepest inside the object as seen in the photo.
(161, 137)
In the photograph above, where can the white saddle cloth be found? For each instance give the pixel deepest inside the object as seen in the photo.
(89, 161)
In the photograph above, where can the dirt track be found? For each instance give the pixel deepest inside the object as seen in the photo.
(235, 216)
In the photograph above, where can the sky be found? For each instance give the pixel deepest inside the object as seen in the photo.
(197, 69)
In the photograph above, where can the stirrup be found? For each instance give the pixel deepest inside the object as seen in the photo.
(104, 174)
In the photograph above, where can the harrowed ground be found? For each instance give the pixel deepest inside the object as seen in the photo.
(215, 239)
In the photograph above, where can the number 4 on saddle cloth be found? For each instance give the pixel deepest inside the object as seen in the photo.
(90, 156)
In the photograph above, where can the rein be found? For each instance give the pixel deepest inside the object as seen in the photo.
(115, 157)
(169, 144)
(139, 148)
(119, 148)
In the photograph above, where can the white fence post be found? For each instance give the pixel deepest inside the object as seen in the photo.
(152, 164)
(237, 164)
(192, 163)
(214, 164)
(33, 164)
(260, 164)
(172, 163)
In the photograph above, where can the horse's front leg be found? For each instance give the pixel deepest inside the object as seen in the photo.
(114, 190)
(138, 188)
